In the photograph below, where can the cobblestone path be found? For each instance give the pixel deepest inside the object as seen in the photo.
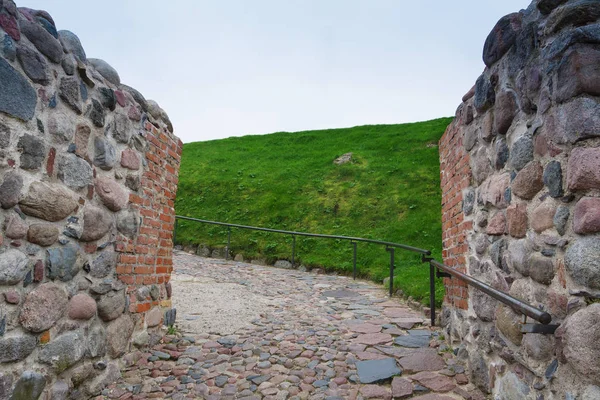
(317, 337)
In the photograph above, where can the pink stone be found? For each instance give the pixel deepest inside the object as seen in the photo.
(578, 74)
(394, 331)
(81, 306)
(374, 338)
(113, 195)
(38, 271)
(120, 98)
(497, 225)
(365, 328)
(153, 317)
(586, 217)
(542, 217)
(528, 181)
(540, 145)
(369, 355)
(504, 111)
(419, 362)
(43, 307)
(12, 297)
(435, 382)
(130, 159)
(401, 388)
(9, 24)
(134, 114)
(461, 379)
(493, 189)
(82, 140)
(375, 392)
(516, 218)
(15, 227)
(584, 169)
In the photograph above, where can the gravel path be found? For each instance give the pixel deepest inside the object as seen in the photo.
(254, 332)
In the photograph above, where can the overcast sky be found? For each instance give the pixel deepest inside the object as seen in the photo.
(226, 68)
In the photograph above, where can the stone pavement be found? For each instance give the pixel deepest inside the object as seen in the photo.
(320, 337)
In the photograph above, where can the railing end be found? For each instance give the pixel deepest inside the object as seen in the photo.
(545, 318)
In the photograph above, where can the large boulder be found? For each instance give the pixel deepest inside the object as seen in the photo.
(501, 38)
(47, 44)
(64, 351)
(579, 337)
(48, 202)
(43, 307)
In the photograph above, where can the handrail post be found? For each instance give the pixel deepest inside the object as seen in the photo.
(391, 271)
(293, 249)
(354, 261)
(432, 293)
(175, 232)
(228, 243)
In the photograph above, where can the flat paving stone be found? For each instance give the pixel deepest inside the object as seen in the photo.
(366, 328)
(377, 370)
(297, 335)
(401, 388)
(419, 332)
(339, 293)
(435, 382)
(413, 341)
(419, 362)
(374, 338)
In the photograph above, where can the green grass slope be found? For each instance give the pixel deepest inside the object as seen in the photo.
(390, 191)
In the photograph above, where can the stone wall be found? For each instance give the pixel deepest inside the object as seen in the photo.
(88, 176)
(521, 202)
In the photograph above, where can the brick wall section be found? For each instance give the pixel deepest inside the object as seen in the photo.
(147, 259)
(455, 176)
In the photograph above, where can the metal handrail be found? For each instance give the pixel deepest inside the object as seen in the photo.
(390, 246)
(356, 239)
(516, 304)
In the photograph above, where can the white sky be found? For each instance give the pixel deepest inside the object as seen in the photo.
(225, 68)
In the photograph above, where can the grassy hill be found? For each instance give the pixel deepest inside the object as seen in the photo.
(389, 191)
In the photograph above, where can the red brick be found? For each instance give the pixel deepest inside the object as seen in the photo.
(143, 307)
